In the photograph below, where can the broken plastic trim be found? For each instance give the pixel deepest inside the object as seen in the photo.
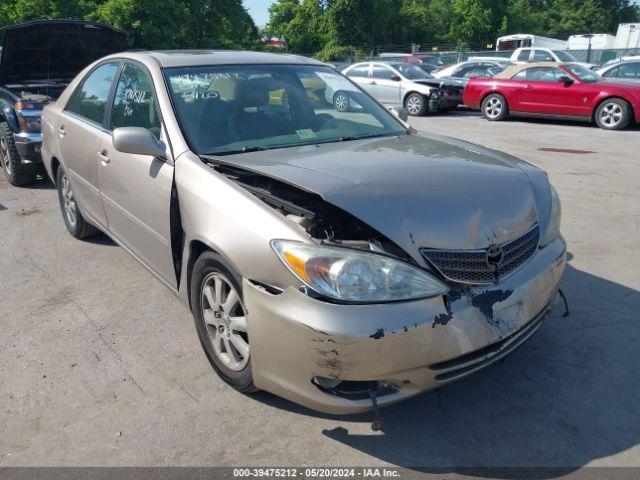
(353, 390)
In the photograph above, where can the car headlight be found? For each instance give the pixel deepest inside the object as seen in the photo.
(553, 228)
(352, 276)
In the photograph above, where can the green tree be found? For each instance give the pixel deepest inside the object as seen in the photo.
(150, 26)
(281, 13)
(471, 22)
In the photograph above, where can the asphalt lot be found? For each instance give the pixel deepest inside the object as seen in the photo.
(100, 365)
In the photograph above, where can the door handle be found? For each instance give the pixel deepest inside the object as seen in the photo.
(62, 131)
(527, 87)
(104, 158)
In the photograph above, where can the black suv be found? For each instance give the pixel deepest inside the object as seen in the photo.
(38, 59)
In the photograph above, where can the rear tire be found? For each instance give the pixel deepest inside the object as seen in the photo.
(341, 102)
(221, 322)
(495, 107)
(613, 114)
(77, 226)
(17, 174)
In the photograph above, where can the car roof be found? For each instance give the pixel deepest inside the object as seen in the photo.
(515, 69)
(196, 58)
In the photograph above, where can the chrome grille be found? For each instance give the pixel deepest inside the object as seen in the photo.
(476, 266)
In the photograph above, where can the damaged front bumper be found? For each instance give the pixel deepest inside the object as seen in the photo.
(402, 348)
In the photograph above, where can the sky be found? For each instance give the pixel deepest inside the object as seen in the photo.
(259, 10)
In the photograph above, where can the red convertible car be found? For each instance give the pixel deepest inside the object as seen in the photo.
(563, 90)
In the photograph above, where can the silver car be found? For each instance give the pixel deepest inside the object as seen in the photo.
(622, 70)
(337, 259)
(396, 83)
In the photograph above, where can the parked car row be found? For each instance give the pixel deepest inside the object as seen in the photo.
(569, 90)
(562, 90)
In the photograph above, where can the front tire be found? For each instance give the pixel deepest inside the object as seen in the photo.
(495, 107)
(77, 226)
(415, 104)
(17, 174)
(613, 114)
(220, 318)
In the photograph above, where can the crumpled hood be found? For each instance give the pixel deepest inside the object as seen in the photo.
(54, 49)
(418, 190)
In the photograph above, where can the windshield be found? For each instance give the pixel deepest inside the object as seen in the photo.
(234, 109)
(564, 56)
(412, 72)
(584, 74)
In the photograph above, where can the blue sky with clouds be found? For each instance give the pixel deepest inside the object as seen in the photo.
(259, 10)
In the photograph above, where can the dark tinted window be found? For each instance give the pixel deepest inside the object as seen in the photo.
(90, 100)
(542, 56)
(524, 55)
(627, 70)
(382, 72)
(360, 71)
(134, 105)
(540, 74)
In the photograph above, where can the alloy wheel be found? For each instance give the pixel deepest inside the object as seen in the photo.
(414, 104)
(341, 102)
(68, 201)
(4, 153)
(493, 107)
(611, 114)
(225, 321)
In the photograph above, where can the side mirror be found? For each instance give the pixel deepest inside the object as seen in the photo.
(137, 141)
(395, 78)
(566, 80)
(400, 112)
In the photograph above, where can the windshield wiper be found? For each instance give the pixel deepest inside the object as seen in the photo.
(255, 148)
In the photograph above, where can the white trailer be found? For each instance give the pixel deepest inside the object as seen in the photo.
(599, 41)
(520, 40)
(628, 36)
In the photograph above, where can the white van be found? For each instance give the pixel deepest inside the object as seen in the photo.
(519, 40)
(599, 41)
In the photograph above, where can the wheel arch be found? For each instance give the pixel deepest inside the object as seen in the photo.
(611, 97)
(484, 96)
(404, 99)
(55, 165)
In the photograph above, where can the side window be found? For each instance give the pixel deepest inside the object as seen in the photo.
(133, 104)
(90, 99)
(381, 72)
(542, 56)
(628, 71)
(521, 75)
(524, 55)
(614, 72)
(543, 74)
(359, 71)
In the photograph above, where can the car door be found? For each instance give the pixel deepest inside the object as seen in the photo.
(359, 74)
(541, 90)
(382, 86)
(136, 190)
(79, 128)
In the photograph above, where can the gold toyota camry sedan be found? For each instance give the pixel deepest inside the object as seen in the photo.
(337, 258)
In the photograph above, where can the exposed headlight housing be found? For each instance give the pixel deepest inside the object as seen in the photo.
(350, 275)
(555, 212)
